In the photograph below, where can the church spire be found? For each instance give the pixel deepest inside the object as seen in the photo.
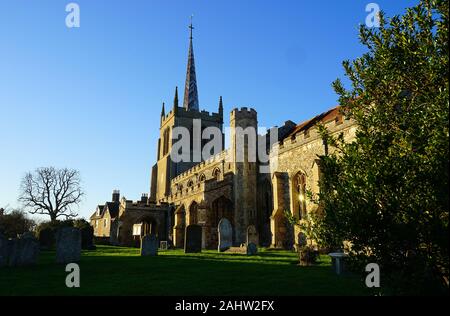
(221, 109)
(175, 102)
(175, 99)
(220, 104)
(163, 112)
(190, 89)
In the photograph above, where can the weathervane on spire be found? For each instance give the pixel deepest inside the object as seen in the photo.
(190, 26)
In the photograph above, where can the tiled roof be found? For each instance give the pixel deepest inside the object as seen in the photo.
(101, 207)
(113, 209)
(323, 118)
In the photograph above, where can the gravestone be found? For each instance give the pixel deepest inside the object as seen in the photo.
(252, 249)
(68, 245)
(201, 215)
(252, 235)
(164, 245)
(149, 245)
(46, 238)
(193, 239)
(3, 251)
(225, 231)
(303, 252)
(338, 262)
(23, 251)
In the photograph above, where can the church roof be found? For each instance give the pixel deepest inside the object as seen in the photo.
(327, 116)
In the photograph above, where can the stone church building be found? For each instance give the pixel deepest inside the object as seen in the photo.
(221, 186)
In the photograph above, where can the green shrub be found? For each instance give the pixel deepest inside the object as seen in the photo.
(386, 192)
(87, 233)
(15, 223)
(46, 232)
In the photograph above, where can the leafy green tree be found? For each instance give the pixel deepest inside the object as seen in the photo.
(387, 192)
(310, 236)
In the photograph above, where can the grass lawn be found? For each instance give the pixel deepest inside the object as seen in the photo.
(121, 271)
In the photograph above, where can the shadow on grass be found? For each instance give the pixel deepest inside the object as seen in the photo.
(228, 258)
(103, 272)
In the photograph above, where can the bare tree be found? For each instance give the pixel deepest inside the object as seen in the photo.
(51, 191)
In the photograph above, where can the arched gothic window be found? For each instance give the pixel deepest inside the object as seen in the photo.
(216, 174)
(166, 140)
(299, 196)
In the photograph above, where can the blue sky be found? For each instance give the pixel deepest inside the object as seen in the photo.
(89, 98)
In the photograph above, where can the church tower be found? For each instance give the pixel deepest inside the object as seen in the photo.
(166, 168)
(243, 151)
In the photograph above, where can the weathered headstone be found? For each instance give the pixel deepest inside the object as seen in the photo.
(23, 251)
(163, 245)
(338, 262)
(193, 239)
(303, 251)
(30, 250)
(225, 231)
(252, 235)
(46, 238)
(202, 215)
(252, 249)
(149, 245)
(68, 245)
(3, 251)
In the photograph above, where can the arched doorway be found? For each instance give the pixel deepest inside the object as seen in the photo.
(280, 230)
(193, 213)
(220, 208)
(266, 207)
(143, 226)
(179, 227)
(170, 224)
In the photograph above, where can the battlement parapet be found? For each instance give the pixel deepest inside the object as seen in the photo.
(243, 113)
(200, 166)
(311, 134)
(193, 114)
(140, 204)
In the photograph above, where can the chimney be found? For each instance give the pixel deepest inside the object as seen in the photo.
(116, 196)
(144, 198)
